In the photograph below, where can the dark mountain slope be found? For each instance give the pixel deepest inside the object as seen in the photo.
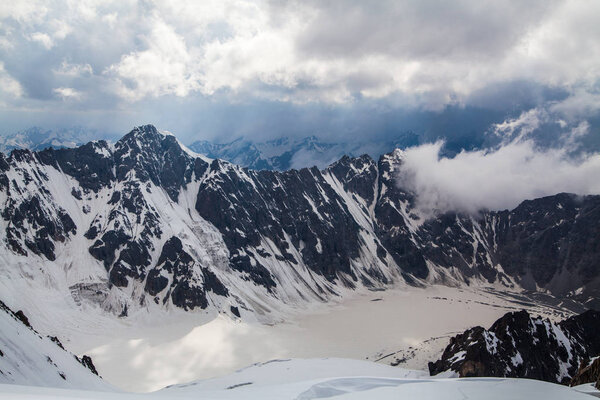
(521, 346)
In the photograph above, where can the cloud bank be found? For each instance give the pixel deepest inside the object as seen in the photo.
(503, 176)
(129, 61)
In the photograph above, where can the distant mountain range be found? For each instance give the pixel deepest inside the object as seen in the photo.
(296, 152)
(289, 153)
(37, 138)
(277, 154)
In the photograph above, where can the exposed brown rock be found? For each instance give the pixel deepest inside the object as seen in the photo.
(588, 372)
(472, 369)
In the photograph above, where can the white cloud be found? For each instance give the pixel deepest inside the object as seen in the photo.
(9, 87)
(74, 70)
(580, 104)
(23, 11)
(501, 177)
(517, 129)
(496, 179)
(165, 66)
(314, 51)
(428, 53)
(42, 38)
(67, 93)
(110, 19)
(60, 29)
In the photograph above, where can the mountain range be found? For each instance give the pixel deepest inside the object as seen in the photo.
(37, 138)
(275, 154)
(286, 153)
(146, 226)
(147, 223)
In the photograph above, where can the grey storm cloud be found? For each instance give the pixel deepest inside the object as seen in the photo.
(426, 29)
(279, 68)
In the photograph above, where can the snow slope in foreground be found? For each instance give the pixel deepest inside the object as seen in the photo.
(324, 378)
(26, 357)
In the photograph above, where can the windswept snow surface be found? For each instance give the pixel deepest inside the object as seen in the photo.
(28, 358)
(411, 325)
(589, 388)
(321, 379)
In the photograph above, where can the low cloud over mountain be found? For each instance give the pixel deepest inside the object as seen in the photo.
(538, 154)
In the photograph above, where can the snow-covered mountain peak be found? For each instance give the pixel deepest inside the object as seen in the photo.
(37, 138)
(140, 137)
(396, 156)
(166, 133)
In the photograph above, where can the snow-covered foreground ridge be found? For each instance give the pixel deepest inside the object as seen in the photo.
(146, 225)
(29, 358)
(321, 379)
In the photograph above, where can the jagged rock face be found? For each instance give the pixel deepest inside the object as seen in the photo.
(177, 270)
(540, 236)
(88, 164)
(289, 217)
(518, 345)
(396, 223)
(145, 222)
(36, 221)
(152, 156)
(549, 242)
(588, 372)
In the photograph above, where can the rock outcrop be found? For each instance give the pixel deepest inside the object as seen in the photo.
(521, 346)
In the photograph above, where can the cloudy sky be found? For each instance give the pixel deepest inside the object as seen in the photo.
(514, 85)
(270, 68)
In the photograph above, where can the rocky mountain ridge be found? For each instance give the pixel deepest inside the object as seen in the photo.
(523, 346)
(147, 223)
